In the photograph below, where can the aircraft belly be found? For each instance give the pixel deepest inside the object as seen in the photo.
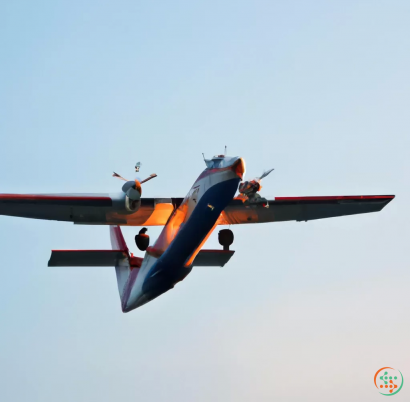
(199, 212)
(169, 269)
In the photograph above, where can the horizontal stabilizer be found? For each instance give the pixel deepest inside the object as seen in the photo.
(112, 258)
(87, 258)
(212, 258)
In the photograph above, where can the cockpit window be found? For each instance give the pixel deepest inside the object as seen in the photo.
(220, 161)
(209, 163)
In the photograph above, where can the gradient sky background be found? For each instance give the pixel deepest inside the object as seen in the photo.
(319, 90)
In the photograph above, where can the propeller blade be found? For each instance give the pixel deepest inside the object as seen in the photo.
(118, 176)
(149, 178)
(265, 173)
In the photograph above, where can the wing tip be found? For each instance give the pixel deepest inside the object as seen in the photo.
(337, 198)
(389, 198)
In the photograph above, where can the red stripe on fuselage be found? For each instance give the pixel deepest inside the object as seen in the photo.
(208, 172)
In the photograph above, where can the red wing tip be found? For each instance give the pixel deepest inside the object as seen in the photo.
(88, 251)
(49, 197)
(337, 197)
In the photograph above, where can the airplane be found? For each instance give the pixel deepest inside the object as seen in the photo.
(187, 223)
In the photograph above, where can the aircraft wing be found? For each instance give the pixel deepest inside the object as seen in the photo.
(109, 209)
(300, 209)
(88, 209)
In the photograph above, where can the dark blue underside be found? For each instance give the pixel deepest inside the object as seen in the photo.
(169, 269)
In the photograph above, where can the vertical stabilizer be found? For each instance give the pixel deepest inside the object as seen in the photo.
(122, 269)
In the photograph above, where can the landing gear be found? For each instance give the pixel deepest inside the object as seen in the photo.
(142, 239)
(225, 237)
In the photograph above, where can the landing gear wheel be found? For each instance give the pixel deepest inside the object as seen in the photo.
(142, 239)
(225, 238)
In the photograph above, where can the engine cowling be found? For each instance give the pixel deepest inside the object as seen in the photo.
(132, 190)
(249, 188)
(132, 205)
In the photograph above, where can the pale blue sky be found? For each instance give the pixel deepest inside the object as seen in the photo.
(319, 90)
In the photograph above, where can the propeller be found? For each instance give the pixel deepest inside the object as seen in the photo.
(132, 188)
(151, 176)
(265, 173)
(251, 188)
(118, 176)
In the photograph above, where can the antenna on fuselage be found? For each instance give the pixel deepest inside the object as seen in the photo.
(226, 150)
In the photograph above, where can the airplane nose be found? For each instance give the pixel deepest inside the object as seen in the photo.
(239, 167)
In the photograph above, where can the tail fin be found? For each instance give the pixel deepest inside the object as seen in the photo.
(124, 267)
(117, 239)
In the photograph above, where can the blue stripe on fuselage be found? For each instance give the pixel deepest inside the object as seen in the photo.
(169, 269)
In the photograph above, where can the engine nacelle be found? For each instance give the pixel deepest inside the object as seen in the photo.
(132, 205)
(249, 188)
(132, 190)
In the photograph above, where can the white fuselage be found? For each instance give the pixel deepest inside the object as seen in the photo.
(171, 257)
